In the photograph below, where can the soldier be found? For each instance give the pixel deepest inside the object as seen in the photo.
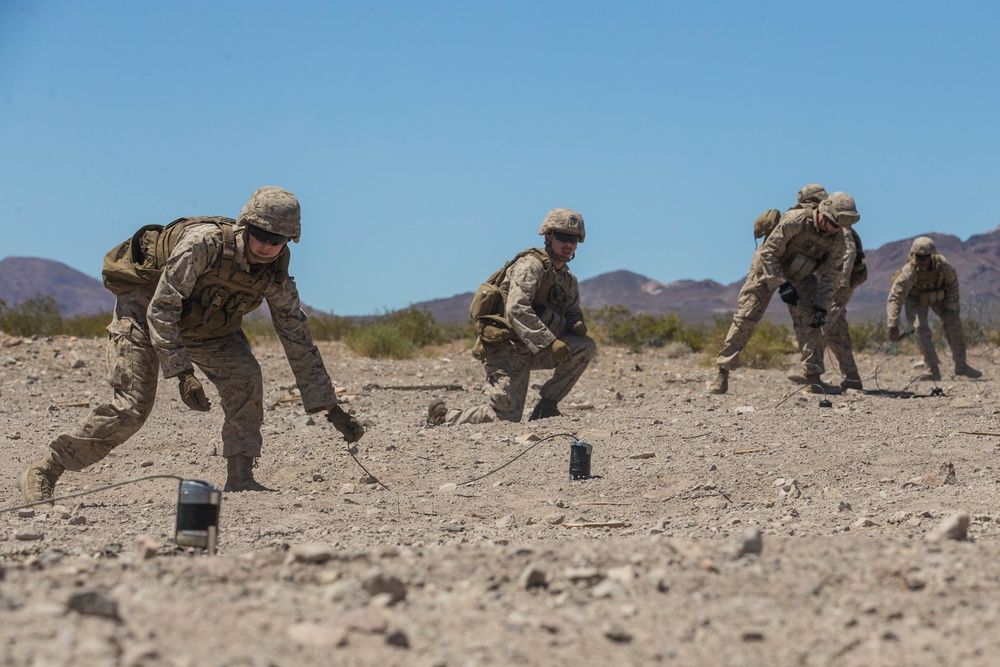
(539, 325)
(837, 333)
(927, 282)
(805, 242)
(182, 291)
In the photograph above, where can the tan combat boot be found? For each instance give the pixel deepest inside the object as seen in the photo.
(240, 475)
(437, 412)
(933, 373)
(38, 482)
(815, 385)
(721, 383)
(851, 381)
(967, 371)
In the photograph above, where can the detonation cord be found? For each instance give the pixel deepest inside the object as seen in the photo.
(548, 437)
(49, 501)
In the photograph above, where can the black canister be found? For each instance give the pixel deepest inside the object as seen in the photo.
(579, 459)
(198, 515)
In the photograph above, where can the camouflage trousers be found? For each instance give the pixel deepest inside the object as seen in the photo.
(951, 321)
(133, 372)
(751, 305)
(835, 334)
(507, 375)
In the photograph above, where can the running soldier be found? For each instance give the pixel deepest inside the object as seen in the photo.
(927, 282)
(537, 324)
(182, 292)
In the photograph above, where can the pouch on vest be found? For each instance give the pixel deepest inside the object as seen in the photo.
(799, 268)
(765, 223)
(125, 267)
(931, 297)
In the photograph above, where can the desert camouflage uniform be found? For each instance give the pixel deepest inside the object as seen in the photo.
(795, 233)
(934, 289)
(145, 335)
(837, 330)
(509, 367)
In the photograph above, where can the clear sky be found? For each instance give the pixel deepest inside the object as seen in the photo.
(427, 139)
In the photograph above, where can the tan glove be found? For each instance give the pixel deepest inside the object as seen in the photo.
(192, 393)
(579, 328)
(350, 427)
(894, 334)
(560, 351)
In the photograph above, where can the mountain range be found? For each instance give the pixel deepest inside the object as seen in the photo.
(977, 261)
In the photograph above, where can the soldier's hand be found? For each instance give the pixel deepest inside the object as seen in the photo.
(819, 318)
(192, 393)
(350, 427)
(560, 352)
(579, 328)
(894, 334)
(788, 294)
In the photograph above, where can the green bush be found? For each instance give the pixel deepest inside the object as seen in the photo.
(416, 326)
(87, 326)
(38, 316)
(616, 325)
(380, 341)
(767, 347)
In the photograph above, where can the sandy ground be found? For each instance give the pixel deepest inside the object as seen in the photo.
(755, 528)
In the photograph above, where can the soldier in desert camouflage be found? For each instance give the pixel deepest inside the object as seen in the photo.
(540, 325)
(927, 282)
(836, 333)
(182, 291)
(806, 241)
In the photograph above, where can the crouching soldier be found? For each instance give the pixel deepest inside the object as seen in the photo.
(927, 282)
(528, 317)
(182, 291)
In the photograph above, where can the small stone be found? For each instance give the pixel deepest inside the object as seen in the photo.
(26, 513)
(752, 541)
(532, 577)
(31, 532)
(526, 437)
(378, 582)
(78, 520)
(146, 547)
(643, 455)
(348, 488)
(450, 487)
(94, 603)
(309, 552)
(398, 639)
(315, 634)
(954, 527)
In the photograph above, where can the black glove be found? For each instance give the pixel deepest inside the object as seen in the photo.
(819, 318)
(788, 294)
(192, 393)
(350, 427)
(579, 328)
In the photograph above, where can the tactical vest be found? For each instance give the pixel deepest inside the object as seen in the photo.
(806, 250)
(220, 298)
(929, 284)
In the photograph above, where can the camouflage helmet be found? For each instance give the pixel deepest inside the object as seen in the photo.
(813, 193)
(274, 210)
(923, 246)
(563, 220)
(839, 208)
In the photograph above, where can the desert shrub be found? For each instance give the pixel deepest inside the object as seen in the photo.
(766, 348)
(380, 341)
(87, 326)
(416, 326)
(868, 336)
(38, 316)
(327, 326)
(616, 325)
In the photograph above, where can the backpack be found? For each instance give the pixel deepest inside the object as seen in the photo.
(489, 304)
(765, 223)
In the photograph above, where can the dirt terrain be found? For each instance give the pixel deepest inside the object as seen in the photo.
(755, 528)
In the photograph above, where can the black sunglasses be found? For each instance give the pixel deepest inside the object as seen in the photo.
(562, 237)
(267, 237)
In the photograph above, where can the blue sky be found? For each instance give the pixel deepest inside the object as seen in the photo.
(427, 140)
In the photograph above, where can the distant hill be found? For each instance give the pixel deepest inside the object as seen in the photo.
(75, 293)
(977, 261)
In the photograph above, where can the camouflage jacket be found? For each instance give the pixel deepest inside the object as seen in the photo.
(197, 253)
(526, 306)
(912, 282)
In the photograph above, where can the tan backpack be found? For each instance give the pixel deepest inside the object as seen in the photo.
(489, 304)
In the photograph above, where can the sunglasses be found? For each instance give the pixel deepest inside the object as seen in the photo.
(267, 237)
(566, 238)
